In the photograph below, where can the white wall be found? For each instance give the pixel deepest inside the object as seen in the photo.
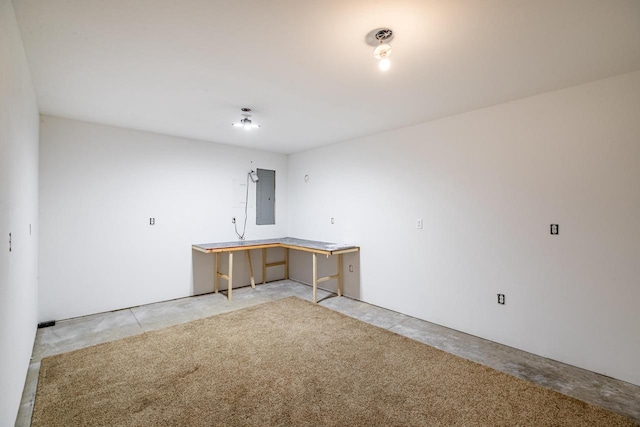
(488, 184)
(18, 215)
(99, 185)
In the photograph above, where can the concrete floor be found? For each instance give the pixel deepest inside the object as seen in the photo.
(72, 334)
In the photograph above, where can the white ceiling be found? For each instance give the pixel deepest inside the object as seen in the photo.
(186, 67)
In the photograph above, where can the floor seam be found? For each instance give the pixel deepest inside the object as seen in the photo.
(137, 321)
(397, 324)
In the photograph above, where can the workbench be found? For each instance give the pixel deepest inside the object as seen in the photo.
(314, 247)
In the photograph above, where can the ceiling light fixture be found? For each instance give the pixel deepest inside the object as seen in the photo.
(246, 122)
(382, 51)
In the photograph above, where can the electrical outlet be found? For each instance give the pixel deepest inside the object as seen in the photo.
(333, 220)
(350, 268)
(233, 220)
(152, 221)
(419, 224)
(555, 229)
(501, 299)
(9, 242)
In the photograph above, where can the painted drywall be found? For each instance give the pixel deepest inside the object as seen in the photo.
(18, 215)
(487, 185)
(99, 187)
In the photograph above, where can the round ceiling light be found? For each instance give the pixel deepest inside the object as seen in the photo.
(383, 50)
(246, 122)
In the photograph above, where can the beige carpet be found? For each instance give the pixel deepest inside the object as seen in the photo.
(289, 362)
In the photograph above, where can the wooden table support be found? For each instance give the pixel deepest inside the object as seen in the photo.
(339, 275)
(227, 277)
(230, 276)
(286, 263)
(315, 277)
(215, 274)
(286, 243)
(316, 280)
(253, 281)
(266, 264)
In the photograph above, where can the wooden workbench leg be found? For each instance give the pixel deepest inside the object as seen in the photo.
(286, 263)
(339, 275)
(264, 266)
(215, 273)
(230, 275)
(253, 282)
(315, 277)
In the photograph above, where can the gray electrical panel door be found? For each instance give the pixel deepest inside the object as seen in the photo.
(266, 197)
